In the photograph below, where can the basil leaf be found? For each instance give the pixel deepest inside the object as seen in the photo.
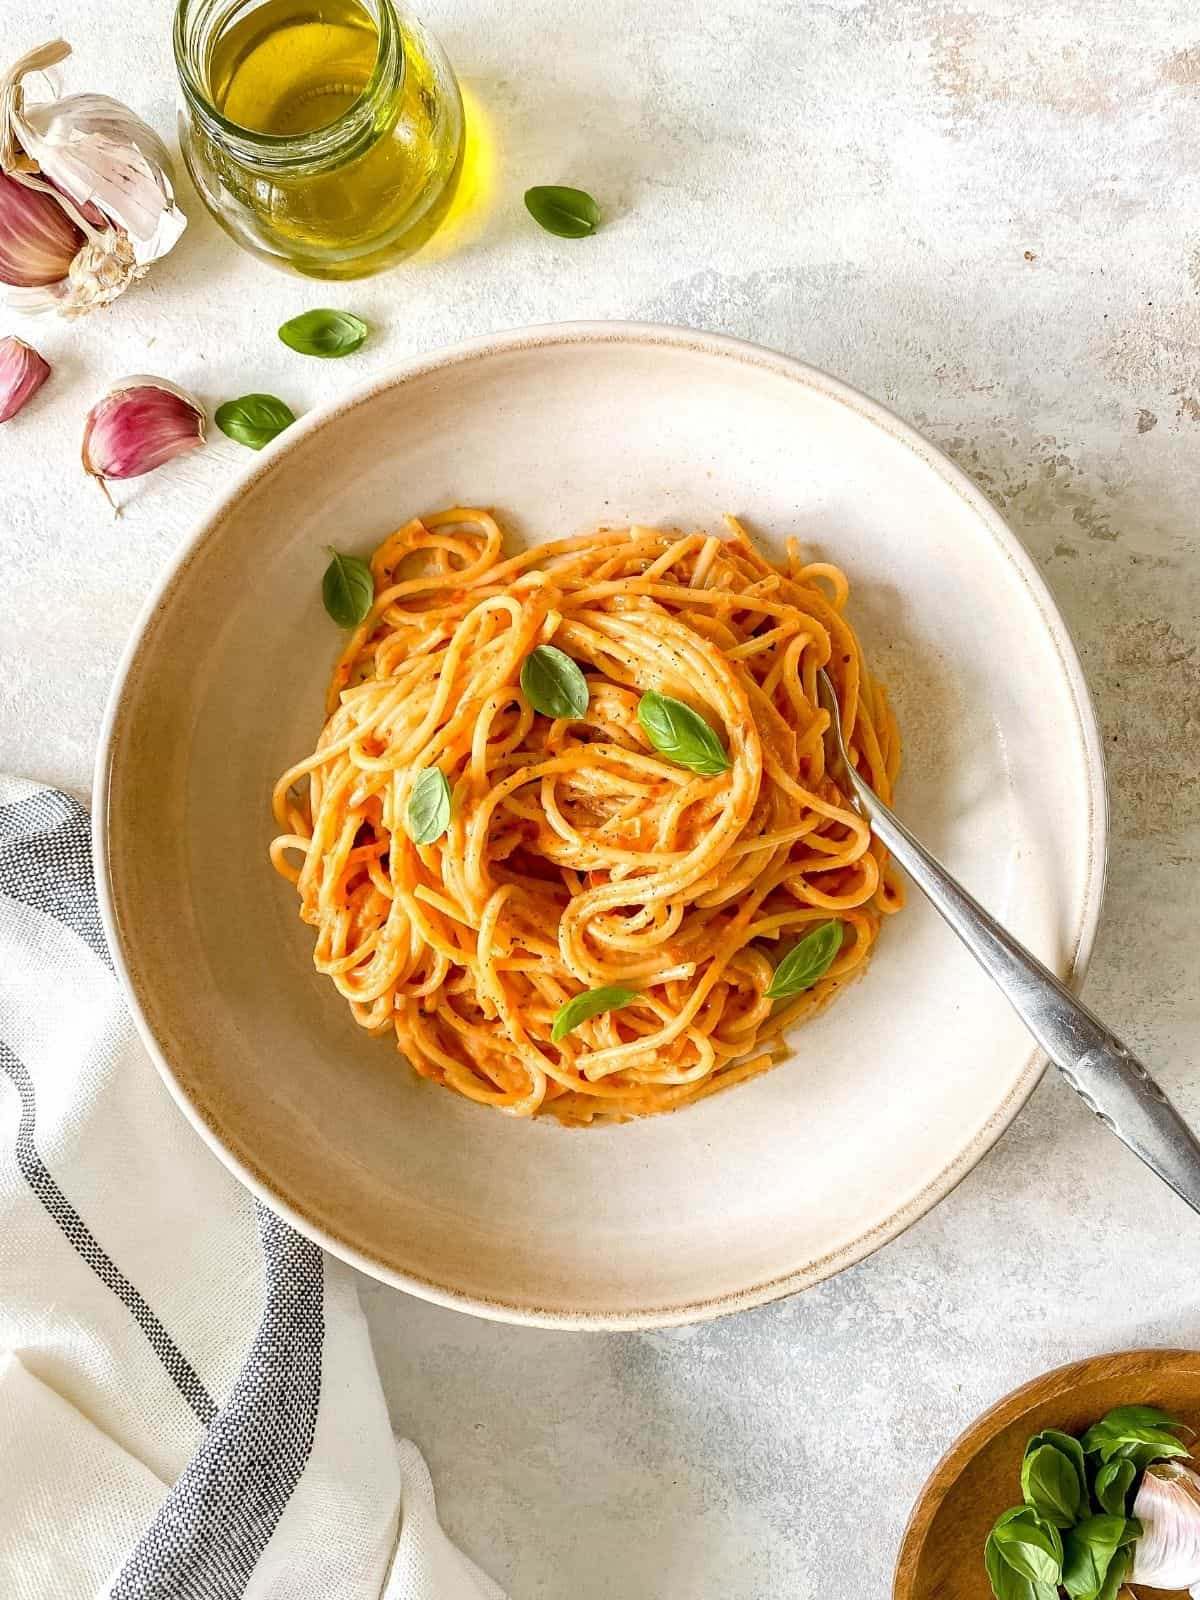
(1050, 1484)
(1113, 1482)
(1142, 1453)
(348, 589)
(1010, 1585)
(429, 806)
(553, 683)
(1088, 1550)
(1140, 1434)
(1070, 1447)
(1133, 1532)
(589, 1004)
(802, 966)
(1125, 1417)
(681, 734)
(569, 213)
(1030, 1545)
(1010, 1515)
(1115, 1576)
(254, 420)
(327, 334)
(1006, 1584)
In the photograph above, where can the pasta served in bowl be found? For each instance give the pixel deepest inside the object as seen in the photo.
(632, 818)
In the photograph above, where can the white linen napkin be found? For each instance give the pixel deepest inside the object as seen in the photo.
(189, 1406)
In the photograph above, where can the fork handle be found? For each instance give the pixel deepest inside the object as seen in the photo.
(1103, 1073)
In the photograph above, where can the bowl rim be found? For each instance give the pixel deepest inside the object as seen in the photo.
(978, 1434)
(696, 341)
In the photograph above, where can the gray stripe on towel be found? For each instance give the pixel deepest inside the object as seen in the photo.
(216, 1521)
(39, 1178)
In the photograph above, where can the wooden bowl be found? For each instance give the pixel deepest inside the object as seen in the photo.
(941, 1554)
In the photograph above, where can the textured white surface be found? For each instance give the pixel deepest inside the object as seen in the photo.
(984, 214)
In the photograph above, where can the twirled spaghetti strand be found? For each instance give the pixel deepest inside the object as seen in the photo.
(577, 856)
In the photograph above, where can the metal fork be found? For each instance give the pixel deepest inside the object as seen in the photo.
(1103, 1073)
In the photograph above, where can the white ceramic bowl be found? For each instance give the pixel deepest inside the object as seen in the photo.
(891, 1095)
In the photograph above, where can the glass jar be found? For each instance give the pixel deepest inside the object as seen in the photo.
(324, 135)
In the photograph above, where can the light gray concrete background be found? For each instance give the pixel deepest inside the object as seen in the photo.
(986, 214)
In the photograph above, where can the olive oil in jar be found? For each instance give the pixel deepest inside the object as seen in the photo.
(293, 66)
(329, 132)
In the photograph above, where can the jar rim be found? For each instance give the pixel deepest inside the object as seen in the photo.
(331, 141)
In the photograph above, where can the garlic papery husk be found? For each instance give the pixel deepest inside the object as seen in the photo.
(22, 373)
(1167, 1555)
(140, 423)
(102, 270)
(108, 172)
(95, 150)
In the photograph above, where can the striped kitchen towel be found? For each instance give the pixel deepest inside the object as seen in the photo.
(189, 1406)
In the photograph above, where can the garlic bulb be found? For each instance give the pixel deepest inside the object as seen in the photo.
(105, 171)
(22, 373)
(137, 426)
(1167, 1556)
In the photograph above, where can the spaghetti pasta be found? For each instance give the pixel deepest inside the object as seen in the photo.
(578, 857)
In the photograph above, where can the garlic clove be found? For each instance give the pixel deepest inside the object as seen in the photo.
(1167, 1556)
(140, 424)
(38, 241)
(22, 373)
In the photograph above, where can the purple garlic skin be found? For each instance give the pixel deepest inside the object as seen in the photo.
(139, 425)
(22, 373)
(38, 241)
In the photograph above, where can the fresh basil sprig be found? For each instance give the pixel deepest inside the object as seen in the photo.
(1140, 1434)
(589, 1004)
(429, 806)
(348, 589)
(1077, 1495)
(681, 734)
(1030, 1545)
(1050, 1484)
(1008, 1584)
(328, 334)
(806, 962)
(255, 419)
(1068, 1445)
(553, 683)
(568, 213)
